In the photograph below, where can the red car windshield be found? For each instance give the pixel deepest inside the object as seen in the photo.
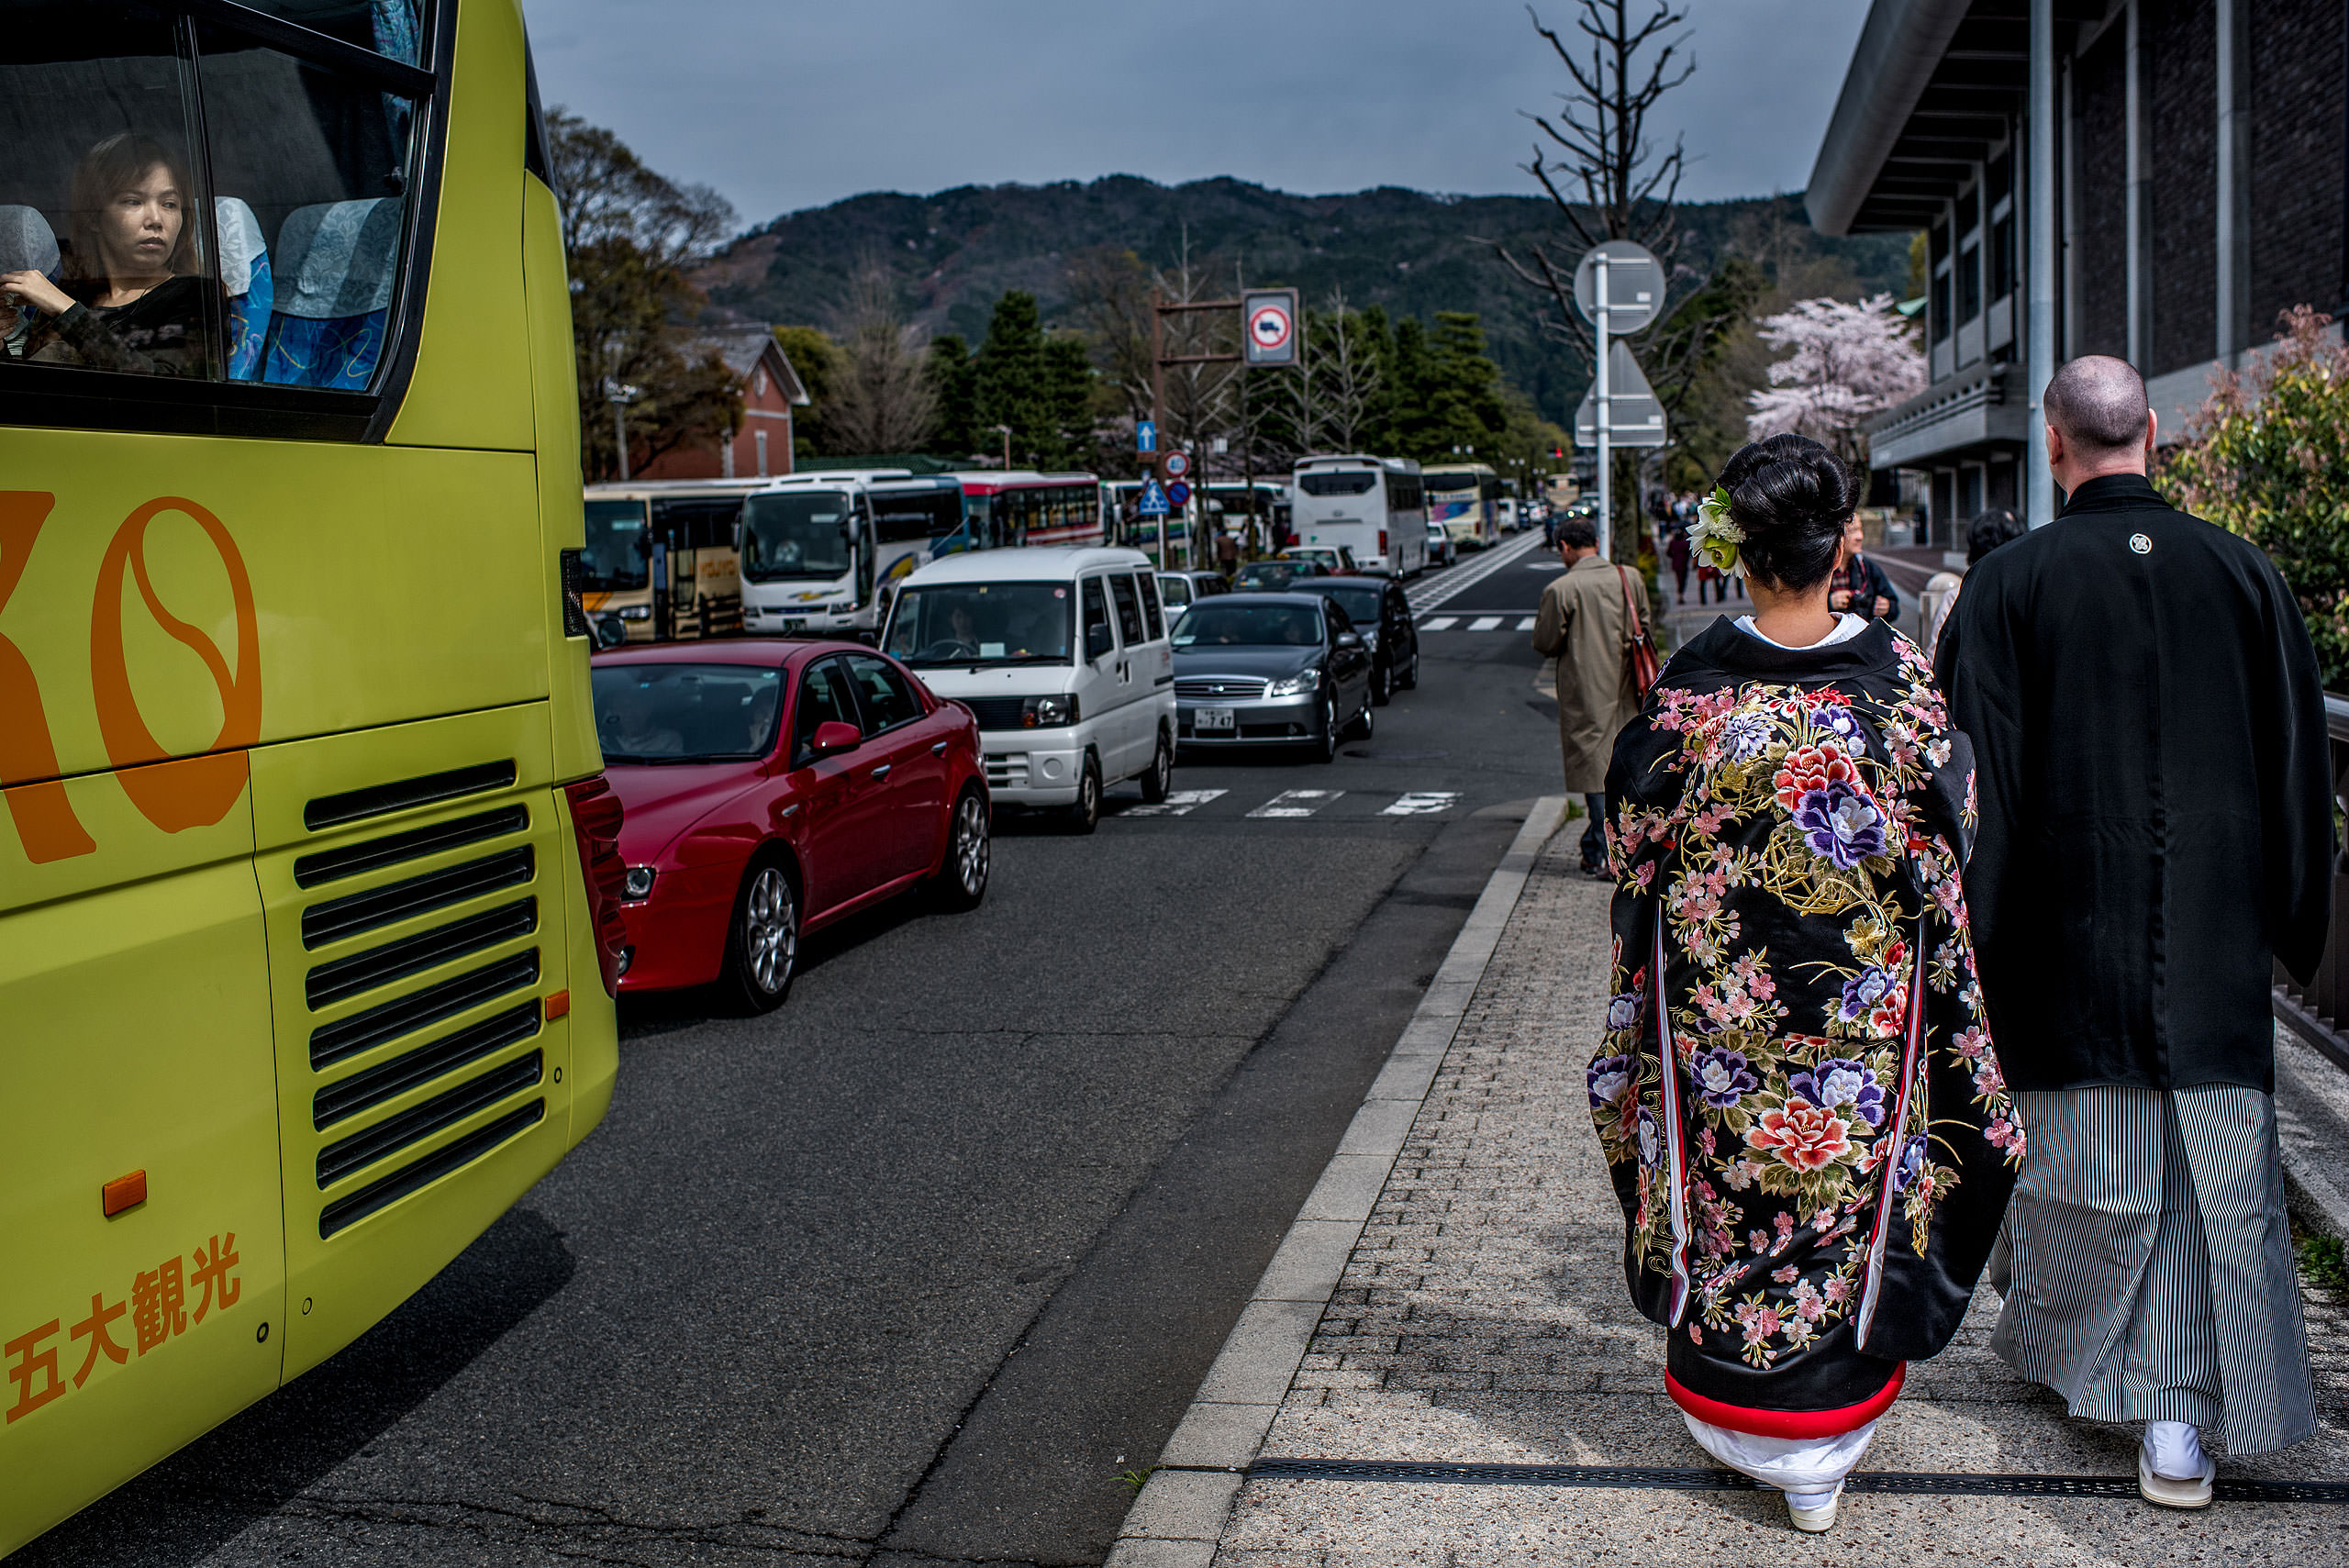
(687, 713)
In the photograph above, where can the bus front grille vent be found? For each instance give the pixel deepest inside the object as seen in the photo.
(386, 1190)
(338, 920)
(405, 795)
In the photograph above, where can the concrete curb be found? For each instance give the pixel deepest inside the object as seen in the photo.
(1180, 1515)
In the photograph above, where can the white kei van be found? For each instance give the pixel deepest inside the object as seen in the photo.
(1063, 653)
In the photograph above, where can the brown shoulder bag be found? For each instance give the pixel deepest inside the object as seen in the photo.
(1639, 648)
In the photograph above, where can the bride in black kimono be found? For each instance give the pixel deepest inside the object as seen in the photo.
(1812, 1190)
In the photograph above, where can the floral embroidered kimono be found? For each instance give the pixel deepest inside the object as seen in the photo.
(1814, 1187)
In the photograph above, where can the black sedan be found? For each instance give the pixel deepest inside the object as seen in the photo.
(1270, 669)
(1379, 611)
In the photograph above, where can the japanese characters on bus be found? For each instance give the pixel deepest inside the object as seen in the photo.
(201, 199)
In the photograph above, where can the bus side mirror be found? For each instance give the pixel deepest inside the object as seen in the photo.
(1097, 641)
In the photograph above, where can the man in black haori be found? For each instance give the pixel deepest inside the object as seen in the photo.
(2157, 831)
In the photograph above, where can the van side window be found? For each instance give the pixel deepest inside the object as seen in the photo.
(1150, 607)
(236, 213)
(1121, 589)
(1097, 609)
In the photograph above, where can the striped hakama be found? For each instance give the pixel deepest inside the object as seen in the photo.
(2152, 1262)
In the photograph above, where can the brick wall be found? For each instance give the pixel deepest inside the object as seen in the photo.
(2182, 39)
(2099, 253)
(2296, 110)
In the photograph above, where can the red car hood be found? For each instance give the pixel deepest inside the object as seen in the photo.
(663, 800)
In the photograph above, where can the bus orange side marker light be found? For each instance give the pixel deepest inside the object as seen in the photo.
(124, 1192)
(558, 1006)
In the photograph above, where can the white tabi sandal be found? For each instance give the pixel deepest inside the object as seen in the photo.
(1816, 1521)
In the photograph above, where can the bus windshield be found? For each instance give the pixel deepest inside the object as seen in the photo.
(797, 533)
(685, 713)
(1446, 484)
(614, 558)
(981, 623)
(914, 516)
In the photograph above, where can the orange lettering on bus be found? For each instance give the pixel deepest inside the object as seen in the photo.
(44, 816)
(198, 791)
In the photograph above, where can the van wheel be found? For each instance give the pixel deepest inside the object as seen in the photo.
(963, 879)
(762, 941)
(1161, 776)
(1084, 815)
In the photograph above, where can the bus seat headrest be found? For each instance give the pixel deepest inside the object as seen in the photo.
(241, 244)
(336, 260)
(26, 242)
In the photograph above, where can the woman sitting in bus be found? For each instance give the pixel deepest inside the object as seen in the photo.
(131, 298)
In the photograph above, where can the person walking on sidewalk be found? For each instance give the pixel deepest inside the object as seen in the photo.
(1586, 622)
(1678, 552)
(1795, 1091)
(1860, 586)
(2157, 831)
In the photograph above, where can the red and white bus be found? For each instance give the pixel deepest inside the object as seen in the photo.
(1021, 507)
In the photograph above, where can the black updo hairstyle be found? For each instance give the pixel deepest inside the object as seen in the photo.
(1791, 497)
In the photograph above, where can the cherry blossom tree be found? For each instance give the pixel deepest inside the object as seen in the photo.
(1843, 365)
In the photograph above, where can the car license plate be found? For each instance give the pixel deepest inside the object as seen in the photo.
(1214, 718)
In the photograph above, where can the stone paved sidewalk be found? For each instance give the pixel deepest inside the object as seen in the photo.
(1483, 1319)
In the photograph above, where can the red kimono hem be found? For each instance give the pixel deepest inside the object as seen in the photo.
(1794, 1424)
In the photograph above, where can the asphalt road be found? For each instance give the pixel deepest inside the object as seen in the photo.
(911, 1270)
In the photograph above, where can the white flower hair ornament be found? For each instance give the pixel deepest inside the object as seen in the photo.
(1715, 535)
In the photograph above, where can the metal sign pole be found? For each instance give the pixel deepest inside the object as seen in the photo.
(1606, 449)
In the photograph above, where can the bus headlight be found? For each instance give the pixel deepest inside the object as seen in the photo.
(636, 612)
(639, 884)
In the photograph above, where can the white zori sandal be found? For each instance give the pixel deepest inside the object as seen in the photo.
(2171, 1446)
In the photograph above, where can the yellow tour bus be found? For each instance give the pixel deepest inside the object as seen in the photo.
(309, 878)
(664, 556)
(1465, 498)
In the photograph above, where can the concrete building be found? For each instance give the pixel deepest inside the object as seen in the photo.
(2156, 179)
(771, 390)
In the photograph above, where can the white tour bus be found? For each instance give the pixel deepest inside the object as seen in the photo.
(1371, 506)
(808, 557)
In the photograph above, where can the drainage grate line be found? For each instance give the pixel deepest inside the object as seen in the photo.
(1668, 1478)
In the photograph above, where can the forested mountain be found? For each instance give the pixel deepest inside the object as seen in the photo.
(955, 252)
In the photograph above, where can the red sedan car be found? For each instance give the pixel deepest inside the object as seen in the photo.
(771, 788)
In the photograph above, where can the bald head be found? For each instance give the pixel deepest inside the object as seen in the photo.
(2099, 403)
(2098, 419)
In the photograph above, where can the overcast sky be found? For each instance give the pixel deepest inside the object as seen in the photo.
(789, 103)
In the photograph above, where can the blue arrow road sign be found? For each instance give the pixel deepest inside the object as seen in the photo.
(1145, 436)
(1153, 500)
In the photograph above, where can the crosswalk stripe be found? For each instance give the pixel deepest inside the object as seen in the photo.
(1296, 803)
(1440, 623)
(1484, 623)
(1178, 803)
(1525, 625)
(1422, 803)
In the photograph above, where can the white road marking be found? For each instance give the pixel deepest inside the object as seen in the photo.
(1422, 803)
(1525, 625)
(1296, 803)
(1485, 623)
(1439, 623)
(1178, 803)
(1429, 594)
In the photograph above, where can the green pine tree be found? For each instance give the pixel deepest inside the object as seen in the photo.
(955, 377)
(1010, 382)
(1067, 440)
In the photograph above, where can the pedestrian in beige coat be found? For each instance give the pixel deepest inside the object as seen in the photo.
(1586, 624)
